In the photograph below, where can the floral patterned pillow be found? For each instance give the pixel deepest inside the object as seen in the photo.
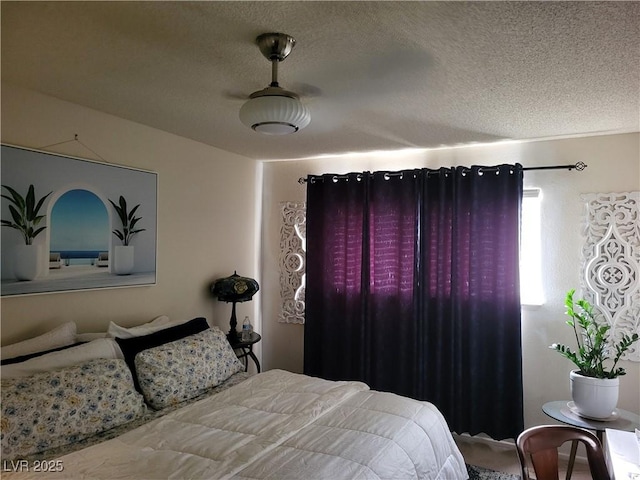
(182, 369)
(60, 407)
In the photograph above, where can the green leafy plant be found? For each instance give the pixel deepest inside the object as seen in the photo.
(24, 213)
(128, 220)
(594, 344)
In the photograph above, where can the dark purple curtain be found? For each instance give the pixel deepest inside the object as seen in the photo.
(412, 287)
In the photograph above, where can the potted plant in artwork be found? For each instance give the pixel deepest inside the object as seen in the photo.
(595, 384)
(26, 218)
(124, 254)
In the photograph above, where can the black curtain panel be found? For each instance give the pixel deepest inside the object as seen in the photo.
(412, 287)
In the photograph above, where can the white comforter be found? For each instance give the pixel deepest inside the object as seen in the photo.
(279, 425)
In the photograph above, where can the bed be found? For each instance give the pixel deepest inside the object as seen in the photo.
(175, 402)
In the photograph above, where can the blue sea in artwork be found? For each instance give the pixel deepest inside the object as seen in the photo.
(77, 253)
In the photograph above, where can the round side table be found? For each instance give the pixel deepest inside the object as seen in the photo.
(246, 350)
(561, 411)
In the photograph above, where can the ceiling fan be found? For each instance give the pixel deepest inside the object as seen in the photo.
(274, 110)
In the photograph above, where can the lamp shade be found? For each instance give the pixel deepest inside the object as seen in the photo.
(275, 114)
(234, 288)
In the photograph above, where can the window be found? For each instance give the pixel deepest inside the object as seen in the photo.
(293, 248)
(531, 292)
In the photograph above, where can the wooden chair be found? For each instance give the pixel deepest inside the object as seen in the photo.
(540, 444)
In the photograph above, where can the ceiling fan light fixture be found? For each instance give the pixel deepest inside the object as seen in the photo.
(275, 114)
(274, 110)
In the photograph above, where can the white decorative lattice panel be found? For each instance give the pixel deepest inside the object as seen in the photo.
(611, 261)
(293, 235)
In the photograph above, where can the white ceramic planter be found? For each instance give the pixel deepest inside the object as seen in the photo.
(123, 260)
(27, 262)
(594, 398)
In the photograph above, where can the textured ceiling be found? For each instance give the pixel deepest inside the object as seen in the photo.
(376, 75)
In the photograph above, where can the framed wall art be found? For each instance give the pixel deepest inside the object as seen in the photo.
(610, 277)
(73, 224)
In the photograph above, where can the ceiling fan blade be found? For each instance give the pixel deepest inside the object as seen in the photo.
(395, 70)
(235, 95)
(306, 90)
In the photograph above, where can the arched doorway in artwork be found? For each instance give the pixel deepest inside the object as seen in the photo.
(79, 230)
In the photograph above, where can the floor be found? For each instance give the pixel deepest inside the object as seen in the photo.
(502, 457)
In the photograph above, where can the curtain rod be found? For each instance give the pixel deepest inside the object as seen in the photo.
(579, 166)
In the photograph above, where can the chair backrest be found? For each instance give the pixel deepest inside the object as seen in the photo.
(540, 445)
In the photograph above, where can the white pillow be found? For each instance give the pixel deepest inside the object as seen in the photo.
(60, 336)
(101, 348)
(88, 337)
(155, 325)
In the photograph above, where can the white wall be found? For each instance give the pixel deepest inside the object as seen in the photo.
(206, 218)
(613, 165)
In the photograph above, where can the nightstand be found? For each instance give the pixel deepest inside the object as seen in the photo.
(246, 350)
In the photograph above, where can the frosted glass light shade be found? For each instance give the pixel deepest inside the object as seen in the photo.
(275, 115)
